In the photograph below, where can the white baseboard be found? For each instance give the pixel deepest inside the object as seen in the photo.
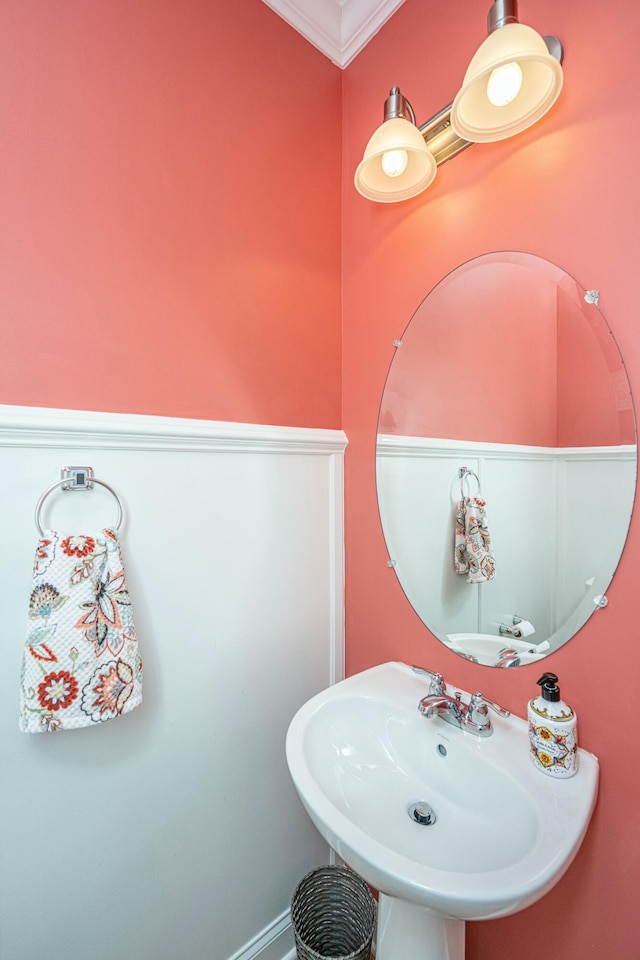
(275, 942)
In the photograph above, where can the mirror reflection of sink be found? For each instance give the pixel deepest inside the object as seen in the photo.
(487, 648)
(501, 833)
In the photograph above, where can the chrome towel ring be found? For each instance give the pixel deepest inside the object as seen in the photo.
(465, 474)
(69, 482)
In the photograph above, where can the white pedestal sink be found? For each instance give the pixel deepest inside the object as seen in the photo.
(361, 755)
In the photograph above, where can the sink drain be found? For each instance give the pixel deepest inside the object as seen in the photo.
(422, 812)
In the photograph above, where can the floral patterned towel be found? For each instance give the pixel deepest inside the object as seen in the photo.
(81, 661)
(472, 550)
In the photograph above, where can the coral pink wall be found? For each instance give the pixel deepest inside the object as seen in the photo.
(165, 248)
(568, 192)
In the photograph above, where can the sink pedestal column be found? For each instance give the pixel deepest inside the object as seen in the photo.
(411, 932)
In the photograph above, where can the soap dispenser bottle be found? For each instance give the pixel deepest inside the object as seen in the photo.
(553, 731)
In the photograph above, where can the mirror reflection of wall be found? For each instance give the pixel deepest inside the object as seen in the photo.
(505, 369)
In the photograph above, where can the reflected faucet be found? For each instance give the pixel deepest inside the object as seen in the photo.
(507, 657)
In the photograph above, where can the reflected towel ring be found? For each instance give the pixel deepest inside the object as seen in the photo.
(59, 483)
(464, 473)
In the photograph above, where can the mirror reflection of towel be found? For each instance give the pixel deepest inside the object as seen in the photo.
(81, 661)
(472, 550)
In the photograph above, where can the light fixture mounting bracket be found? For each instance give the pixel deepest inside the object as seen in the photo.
(500, 13)
(398, 106)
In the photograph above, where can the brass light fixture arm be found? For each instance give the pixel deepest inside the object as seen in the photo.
(440, 137)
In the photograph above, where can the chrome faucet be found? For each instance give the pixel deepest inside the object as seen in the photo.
(472, 716)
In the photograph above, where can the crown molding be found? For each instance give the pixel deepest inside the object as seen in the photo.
(338, 28)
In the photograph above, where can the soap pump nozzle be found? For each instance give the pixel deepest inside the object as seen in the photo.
(549, 684)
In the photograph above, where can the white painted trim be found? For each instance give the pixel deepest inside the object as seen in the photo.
(338, 28)
(390, 445)
(275, 942)
(44, 427)
(337, 573)
(361, 22)
(317, 20)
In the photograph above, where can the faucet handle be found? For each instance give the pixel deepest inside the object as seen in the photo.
(478, 712)
(501, 711)
(437, 681)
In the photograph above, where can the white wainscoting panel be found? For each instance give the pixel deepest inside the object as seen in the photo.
(174, 831)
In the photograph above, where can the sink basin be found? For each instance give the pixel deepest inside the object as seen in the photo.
(361, 756)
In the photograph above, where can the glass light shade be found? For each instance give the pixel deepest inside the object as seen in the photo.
(475, 118)
(370, 178)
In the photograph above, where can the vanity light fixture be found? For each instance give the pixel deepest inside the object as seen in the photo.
(514, 78)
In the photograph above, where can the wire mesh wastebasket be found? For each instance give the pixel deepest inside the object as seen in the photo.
(333, 914)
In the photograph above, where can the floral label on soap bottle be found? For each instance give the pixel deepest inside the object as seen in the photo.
(553, 752)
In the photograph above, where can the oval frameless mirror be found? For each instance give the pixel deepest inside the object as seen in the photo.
(506, 406)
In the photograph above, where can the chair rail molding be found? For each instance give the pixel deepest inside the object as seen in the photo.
(43, 426)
